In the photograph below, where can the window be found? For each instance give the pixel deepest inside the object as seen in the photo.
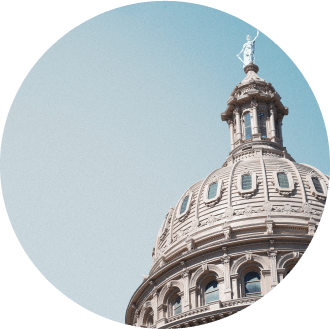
(317, 185)
(252, 284)
(283, 180)
(247, 121)
(184, 205)
(211, 292)
(213, 190)
(177, 308)
(150, 320)
(246, 182)
(262, 124)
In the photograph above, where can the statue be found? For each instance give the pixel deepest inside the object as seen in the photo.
(248, 49)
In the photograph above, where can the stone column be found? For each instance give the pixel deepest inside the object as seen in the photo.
(185, 277)
(255, 128)
(226, 263)
(232, 138)
(272, 110)
(234, 285)
(237, 113)
(161, 315)
(155, 301)
(280, 273)
(272, 253)
(193, 297)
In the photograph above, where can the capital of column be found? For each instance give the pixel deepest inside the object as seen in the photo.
(237, 110)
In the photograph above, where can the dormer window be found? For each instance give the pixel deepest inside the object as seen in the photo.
(262, 124)
(247, 122)
(283, 180)
(317, 185)
(246, 182)
(184, 205)
(212, 190)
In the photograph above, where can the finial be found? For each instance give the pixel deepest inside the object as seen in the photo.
(251, 67)
(248, 49)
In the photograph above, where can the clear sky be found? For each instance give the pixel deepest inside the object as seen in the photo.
(115, 122)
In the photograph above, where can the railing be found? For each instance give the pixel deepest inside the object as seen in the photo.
(188, 313)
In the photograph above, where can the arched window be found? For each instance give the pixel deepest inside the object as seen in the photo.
(283, 180)
(177, 308)
(211, 292)
(184, 205)
(317, 185)
(213, 190)
(252, 284)
(246, 182)
(150, 320)
(262, 124)
(247, 122)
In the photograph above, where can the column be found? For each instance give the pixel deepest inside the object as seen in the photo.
(186, 302)
(273, 271)
(237, 113)
(161, 315)
(193, 297)
(281, 272)
(255, 128)
(226, 263)
(234, 279)
(155, 300)
(232, 138)
(272, 110)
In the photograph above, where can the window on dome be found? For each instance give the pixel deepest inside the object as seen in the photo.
(246, 182)
(213, 190)
(184, 205)
(252, 284)
(283, 180)
(262, 124)
(177, 308)
(247, 121)
(317, 185)
(211, 292)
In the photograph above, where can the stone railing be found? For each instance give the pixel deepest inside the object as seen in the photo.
(189, 313)
(240, 301)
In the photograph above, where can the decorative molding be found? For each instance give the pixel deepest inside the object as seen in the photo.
(167, 287)
(189, 313)
(247, 258)
(239, 302)
(282, 262)
(205, 268)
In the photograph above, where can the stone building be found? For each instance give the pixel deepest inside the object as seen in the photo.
(236, 234)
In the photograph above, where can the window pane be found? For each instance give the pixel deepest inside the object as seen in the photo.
(246, 182)
(211, 286)
(184, 205)
(252, 276)
(247, 121)
(262, 124)
(283, 180)
(317, 185)
(252, 287)
(213, 190)
(211, 296)
(178, 310)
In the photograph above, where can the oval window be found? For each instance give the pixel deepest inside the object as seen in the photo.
(246, 182)
(283, 180)
(317, 185)
(184, 205)
(212, 190)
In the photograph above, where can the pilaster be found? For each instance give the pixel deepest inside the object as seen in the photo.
(225, 259)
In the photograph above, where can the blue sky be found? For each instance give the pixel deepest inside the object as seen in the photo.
(115, 122)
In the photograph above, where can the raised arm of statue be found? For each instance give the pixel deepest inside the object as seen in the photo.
(256, 36)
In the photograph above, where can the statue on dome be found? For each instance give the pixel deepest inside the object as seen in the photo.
(248, 49)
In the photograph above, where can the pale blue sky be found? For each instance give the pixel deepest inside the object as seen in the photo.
(115, 122)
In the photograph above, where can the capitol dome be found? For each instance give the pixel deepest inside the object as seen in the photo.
(234, 235)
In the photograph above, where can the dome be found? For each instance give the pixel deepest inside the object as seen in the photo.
(234, 235)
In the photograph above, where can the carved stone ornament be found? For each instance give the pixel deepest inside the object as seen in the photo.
(267, 206)
(211, 220)
(269, 227)
(307, 208)
(248, 256)
(311, 227)
(229, 213)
